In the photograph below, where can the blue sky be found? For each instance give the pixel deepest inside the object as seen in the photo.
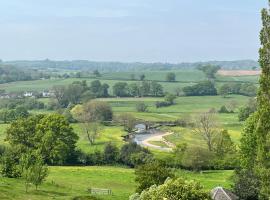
(130, 30)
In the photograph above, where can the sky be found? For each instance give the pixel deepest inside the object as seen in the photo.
(130, 30)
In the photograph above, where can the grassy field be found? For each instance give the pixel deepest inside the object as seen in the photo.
(64, 183)
(183, 78)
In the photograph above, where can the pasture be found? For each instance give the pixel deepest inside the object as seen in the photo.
(66, 183)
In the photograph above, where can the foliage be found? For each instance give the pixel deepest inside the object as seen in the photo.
(170, 77)
(50, 135)
(129, 150)
(246, 184)
(127, 120)
(141, 107)
(224, 90)
(209, 70)
(224, 109)
(111, 153)
(175, 189)
(197, 158)
(245, 112)
(152, 173)
(200, 89)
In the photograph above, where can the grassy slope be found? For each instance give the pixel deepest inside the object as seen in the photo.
(64, 183)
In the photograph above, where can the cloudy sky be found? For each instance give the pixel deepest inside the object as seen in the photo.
(130, 30)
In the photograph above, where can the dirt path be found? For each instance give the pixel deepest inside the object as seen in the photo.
(145, 139)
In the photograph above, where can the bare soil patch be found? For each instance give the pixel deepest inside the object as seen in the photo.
(239, 72)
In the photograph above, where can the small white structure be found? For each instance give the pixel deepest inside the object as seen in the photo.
(220, 193)
(28, 94)
(47, 94)
(140, 128)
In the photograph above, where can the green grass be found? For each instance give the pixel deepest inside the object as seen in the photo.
(159, 143)
(183, 78)
(209, 179)
(64, 183)
(107, 134)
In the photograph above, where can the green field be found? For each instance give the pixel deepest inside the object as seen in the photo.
(183, 78)
(64, 183)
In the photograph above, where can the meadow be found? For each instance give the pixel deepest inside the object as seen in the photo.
(66, 183)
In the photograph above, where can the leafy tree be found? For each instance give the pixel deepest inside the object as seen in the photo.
(170, 98)
(142, 77)
(174, 189)
(60, 95)
(39, 171)
(209, 71)
(134, 89)
(156, 89)
(153, 173)
(246, 184)
(111, 153)
(141, 107)
(200, 89)
(245, 112)
(224, 90)
(145, 88)
(128, 151)
(128, 121)
(26, 161)
(51, 135)
(120, 89)
(248, 89)
(9, 163)
(197, 158)
(96, 73)
(170, 77)
(258, 127)
(223, 144)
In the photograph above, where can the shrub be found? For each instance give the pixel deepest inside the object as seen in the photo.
(176, 189)
(141, 107)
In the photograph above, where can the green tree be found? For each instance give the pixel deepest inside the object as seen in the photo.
(258, 127)
(209, 71)
(128, 121)
(153, 173)
(156, 89)
(197, 158)
(142, 77)
(38, 170)
(170, 77)
(170, 98)
(120, 89)
(224, 90)
(51, 135)
(111, 153)
(134, 89)
(141, 107)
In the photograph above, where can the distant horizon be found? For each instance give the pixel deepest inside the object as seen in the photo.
(111, 61)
